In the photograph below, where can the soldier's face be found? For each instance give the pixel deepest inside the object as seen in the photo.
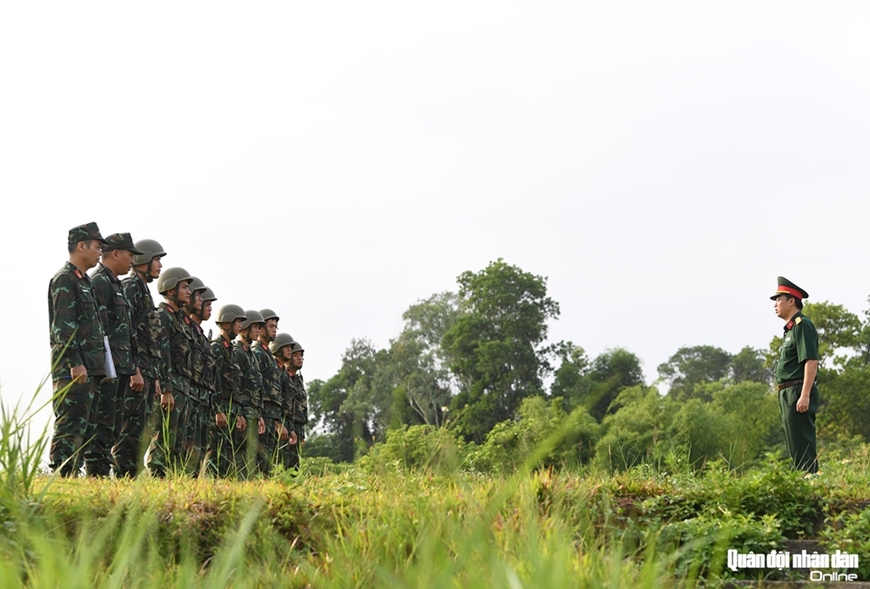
(156, 266)
(183, 292)
(298, 360)
(286, 354)
(92, 250)
(271, 329)
(125, 261)
(254, 331)
(196, 302)
(236, 328)
(206, 310)
(784, 307)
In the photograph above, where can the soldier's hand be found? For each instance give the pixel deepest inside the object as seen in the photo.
(293, 438)
(241, 423)
(167, 401)
(79, 374)
(137, 383)
(261, 426)
(157, 390)
(221, 419)
(282, 431)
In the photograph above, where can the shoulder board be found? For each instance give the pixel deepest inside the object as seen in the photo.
(797, 321)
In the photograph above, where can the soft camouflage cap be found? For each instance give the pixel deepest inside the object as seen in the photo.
(121, 241)
(281, 340)
(786, 286)
(150, 250)
(85, 232)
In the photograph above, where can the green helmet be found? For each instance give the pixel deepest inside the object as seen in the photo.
(208, 295)
(251, 316)
(197, 285)
(170, 278)
(297, 347)
(150, 249)
(229, 313)
(281, 340)
(269, 314)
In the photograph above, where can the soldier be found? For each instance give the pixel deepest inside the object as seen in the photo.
(252, 390)
(300, 401)
(170, 448)
(204, 373)
(282, 351)
(117, 259)
(273, 401)
(230, 423)
(796, 375)
(78, 352)
(134, 434)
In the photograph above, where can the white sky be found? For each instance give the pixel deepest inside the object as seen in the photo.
(661, 163)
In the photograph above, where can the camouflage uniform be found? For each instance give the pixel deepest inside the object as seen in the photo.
(298, 417)
(204, 366)
(134, 435)
(76, 337)
(227, 401)
(115, 315)
(250, 402)
(273, 405)
(172, 443)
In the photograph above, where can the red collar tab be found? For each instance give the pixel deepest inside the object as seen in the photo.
(789, 291)
(77, 273)
(789, 325)
(226, 344)
(187, 319)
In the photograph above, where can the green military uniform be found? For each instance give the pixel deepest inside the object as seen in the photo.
(134, 434)
(299, 414)
(273, 404)
(800, 343)
(76, 337)
(222, 446)
(205, 382)
(250, 402)
(104, 423)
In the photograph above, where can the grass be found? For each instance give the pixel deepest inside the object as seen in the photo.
(379, 526)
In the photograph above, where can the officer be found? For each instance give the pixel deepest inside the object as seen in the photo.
(78, 353)
(135, 433)
(251, 389)
(273, 401)
(796, 375)
(282, 350)
(170, 448)
(229, 420)
(117, 259)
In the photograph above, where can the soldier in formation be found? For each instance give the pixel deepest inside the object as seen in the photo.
(134, 380)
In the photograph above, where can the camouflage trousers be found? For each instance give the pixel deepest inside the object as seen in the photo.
(199, 429)
(289, 454)
(172, 443)
(235, 450)
(103, 426)
(72, 408)
(269, 444)
(133, 429)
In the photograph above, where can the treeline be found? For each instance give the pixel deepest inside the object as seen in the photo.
(470, 366)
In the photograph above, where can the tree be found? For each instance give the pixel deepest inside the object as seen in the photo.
(495, 346)
(570, 380)
(691, 366)
(611, 372)
(748, 366)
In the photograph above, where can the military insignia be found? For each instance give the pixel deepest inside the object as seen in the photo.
(797, 321)
(789, 325)
(77, 273)
(226, 344)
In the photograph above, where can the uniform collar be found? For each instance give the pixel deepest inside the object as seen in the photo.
(791, 322)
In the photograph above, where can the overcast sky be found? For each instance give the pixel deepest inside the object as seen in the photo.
(660, 163)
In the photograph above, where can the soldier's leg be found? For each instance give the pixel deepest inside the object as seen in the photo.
(72, 407)
(800, 428)
(131, 441)
(101, 431)
(264, 448)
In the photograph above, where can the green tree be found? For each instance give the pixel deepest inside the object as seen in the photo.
(691, 366)
(610, 373)
(748, 366)
(495, 347)
(570, 380)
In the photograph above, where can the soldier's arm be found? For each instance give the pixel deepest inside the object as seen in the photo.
(63, 320)
(103, 293)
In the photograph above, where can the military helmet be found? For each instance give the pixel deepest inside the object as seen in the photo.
(281, 340)
(297, 347)
(150, 249)
(170, 278)
(197, 285)
(208, 295)
(229, 313)
(269, 314)
(251, 316)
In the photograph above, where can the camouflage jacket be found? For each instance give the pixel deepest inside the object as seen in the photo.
(250, 395)
(74, 319)
(273, 400)
(176, 349)
(229, 375)
(203, 365)
(299, 415)
(145, 324)
(115, 314)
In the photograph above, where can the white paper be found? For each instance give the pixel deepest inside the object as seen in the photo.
(110, 364)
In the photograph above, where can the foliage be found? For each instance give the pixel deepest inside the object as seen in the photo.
(495, 347)
(689, 367)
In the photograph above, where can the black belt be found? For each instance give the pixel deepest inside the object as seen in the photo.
(788, 383)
